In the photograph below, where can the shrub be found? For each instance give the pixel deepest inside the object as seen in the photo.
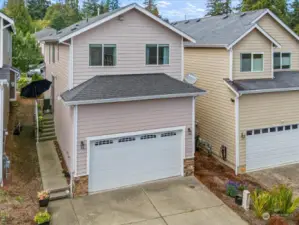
(260, 202)
(22, 82)
(42, 217)
(36, 77)
(233, 188)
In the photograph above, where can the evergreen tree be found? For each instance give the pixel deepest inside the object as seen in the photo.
(294, 16)
(218, 7)
(37, 8)
(151, 6)
(114, 4)
(90, 8)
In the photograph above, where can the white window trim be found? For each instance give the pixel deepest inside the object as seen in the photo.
(158, 56)
(281, 61)
(252, 71)
(103, 46)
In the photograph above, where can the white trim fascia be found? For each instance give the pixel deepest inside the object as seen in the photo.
(256, 26)
(231, 53)
(277, 20)
(182, 60)
(260, 91)
(237, 134)
(1, 43)
(136, 133)
(114, 15)
(11, 21)
(193, 125)
(1, 133)
(75, 141)
(187, 45)
(98, 101)
(71, 65)
(272, 61)
(232, 89)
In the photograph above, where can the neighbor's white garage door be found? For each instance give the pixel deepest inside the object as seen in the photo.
(131, 160)
(270, 147)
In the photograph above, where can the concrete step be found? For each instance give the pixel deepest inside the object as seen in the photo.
(59, 195)
(45, 130)
(46, 126)
(47, 134)
(66, 188)
(49, 138)
(47, 122)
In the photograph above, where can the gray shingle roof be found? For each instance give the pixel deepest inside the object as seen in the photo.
(5, 72)
(44, 33)
(218, 30)
(283, 81)
(55, 36)
(113, 88)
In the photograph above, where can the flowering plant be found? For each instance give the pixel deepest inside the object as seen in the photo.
(42, 217)
(42, 195)
(233, 187)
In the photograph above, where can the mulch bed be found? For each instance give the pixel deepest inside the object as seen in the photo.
(214, 174)
(65, 170)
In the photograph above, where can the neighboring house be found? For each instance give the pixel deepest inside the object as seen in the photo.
(122, 114)
(43, 33)
(249, 65)
(8, 76)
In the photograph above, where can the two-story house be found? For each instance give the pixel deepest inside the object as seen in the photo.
(123, 114)
(8, 76)
(248, 63)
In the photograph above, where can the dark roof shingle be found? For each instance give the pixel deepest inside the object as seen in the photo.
(113, 88)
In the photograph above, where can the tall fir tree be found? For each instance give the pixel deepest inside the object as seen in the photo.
(114, 4)
(294, 16)
(90, 8)
(37, 8)
(151, 6)
(218, 7)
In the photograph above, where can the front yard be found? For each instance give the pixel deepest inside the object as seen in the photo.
(216, 175)
(18, 202)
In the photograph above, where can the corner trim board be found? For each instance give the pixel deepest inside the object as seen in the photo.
(75, 141)
(237, 134)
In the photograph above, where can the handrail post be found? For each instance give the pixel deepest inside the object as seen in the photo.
(37, 122)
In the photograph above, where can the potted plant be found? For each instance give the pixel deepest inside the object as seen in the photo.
(42, 218)
(43, 198)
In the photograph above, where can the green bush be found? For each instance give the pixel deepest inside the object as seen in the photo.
(36, 77)
(22, 82)
(42, 217)
(260, 202)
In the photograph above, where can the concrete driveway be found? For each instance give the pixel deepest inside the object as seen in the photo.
(280, 175)
(174, 202)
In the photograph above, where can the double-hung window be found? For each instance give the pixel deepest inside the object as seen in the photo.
(252, 62)
(282, 60)
(102, 55)
(157, 54)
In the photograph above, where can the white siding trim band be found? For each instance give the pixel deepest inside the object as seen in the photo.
(181, 128)
(98, 101)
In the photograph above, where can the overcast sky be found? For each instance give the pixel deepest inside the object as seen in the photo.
(174, 9)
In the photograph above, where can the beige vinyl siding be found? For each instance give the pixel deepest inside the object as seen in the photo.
(254, 42)
(283, 37)
(215, 113)
(114, 118)
(266, 110)
(63, 115)
(130, 37)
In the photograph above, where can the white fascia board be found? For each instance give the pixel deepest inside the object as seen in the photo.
(269, 90)
(205, 45)
(114, 15)
(10, 20)
(139, 98)
(232, 89)
(277, 20)
(256, 26)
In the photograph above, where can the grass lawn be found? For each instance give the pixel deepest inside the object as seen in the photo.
(18, 202)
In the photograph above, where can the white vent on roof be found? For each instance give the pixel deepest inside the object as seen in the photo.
(243, 14)
(190, 78)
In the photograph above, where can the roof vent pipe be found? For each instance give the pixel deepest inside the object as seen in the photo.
(98, 11)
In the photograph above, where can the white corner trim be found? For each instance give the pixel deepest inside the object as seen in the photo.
(1, 132)
(182, 60)
(256, 26)
(277, 20)
(71, 65)
(237, 134)
(111, 136)
(75, 137)
(1, 42)
(114, 15)
(231, 53)
(193, 124)
(272, 61)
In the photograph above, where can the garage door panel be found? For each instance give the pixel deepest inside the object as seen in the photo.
(272, 149)
(131, 160)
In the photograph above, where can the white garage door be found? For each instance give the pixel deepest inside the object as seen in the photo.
(270, 147)
(131, 160)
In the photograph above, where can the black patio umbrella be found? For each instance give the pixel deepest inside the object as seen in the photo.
(35, 88)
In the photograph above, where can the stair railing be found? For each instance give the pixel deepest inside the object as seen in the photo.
(36, 121)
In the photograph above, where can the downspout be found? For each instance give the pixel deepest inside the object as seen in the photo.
(237, 133)
(1, 131)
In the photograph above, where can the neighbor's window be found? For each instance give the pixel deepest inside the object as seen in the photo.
(252, 62)
(282, 60)
(157, 54)
(99, 53)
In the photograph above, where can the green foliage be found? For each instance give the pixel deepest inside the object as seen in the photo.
(281, 200)
(20, 199)
(231, 191)
(36, 77)
(42, 217)
(40, 24)
(3, 196)
(4, 217)
(114, 4)
(218, 7)
(260, 201)
(37, 8)
(22, 82)
(25, 51)
(151, 6)
(90, 8)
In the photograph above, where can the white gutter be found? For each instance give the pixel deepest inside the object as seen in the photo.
(188, 45)
(98, 101)
(268, 90)
(231, 64)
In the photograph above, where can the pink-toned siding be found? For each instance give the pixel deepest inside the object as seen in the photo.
(131, 36)
(105, 119)
(63, 115)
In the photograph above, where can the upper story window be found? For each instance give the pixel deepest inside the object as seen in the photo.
(252, 62)
(157, 54)
(282, 60)
(100, 55)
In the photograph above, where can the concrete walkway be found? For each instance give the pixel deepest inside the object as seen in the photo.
(50, 167)
(178, 201)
